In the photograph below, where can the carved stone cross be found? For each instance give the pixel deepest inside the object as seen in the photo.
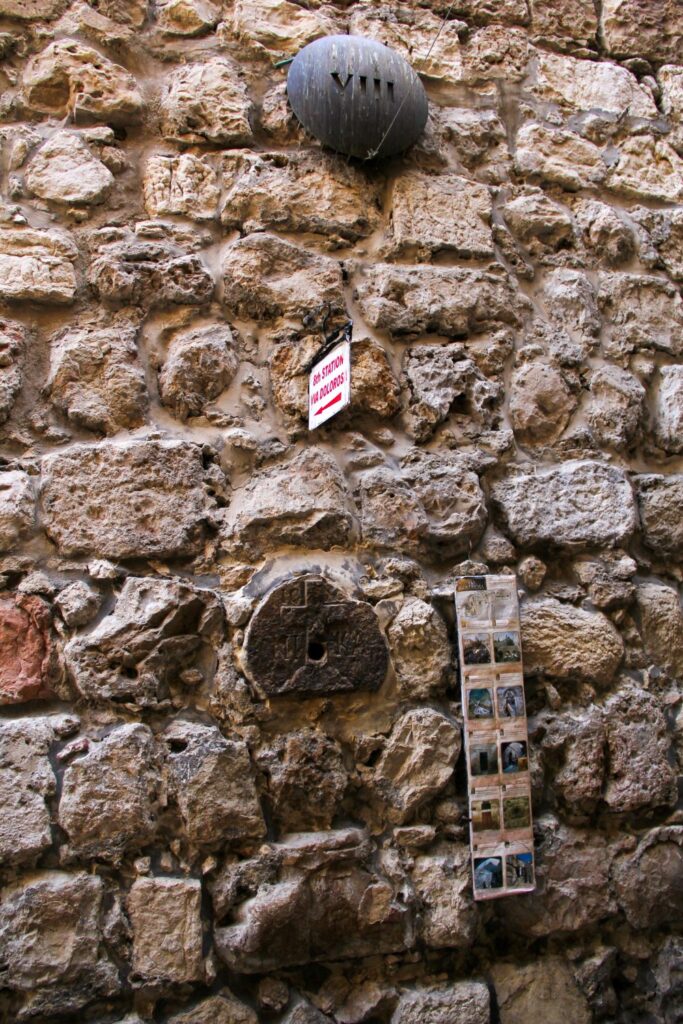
(308, 637)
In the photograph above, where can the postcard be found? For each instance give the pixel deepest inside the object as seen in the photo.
(516, 811)
(483, 759)
(519, 870)
(476, 649)
(510, 701)
(480, 703)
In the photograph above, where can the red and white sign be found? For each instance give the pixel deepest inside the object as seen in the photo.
(329, 385)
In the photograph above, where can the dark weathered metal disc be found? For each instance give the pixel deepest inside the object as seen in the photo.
(351, 92)
(307, 637)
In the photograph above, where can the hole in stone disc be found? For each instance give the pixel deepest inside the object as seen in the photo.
(316, 650)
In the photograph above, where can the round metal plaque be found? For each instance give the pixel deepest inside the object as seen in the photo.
(357, 96)
(307, 637)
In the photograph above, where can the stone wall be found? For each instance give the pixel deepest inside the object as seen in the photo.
(177, 844)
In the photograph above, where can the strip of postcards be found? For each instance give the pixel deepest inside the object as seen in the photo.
(496, 739)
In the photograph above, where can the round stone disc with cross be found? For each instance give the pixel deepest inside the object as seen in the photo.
(307, 637)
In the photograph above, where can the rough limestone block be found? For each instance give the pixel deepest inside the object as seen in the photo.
(566, 25)
(420, 650)
(167, 930)
(540, 403)
(128, 12)
(391, 514)
(538, 222)
(78, 603)
(32, 10)
(220, 1009)
(65, 171)
(609, 237)
(26, 779)
(411, 37)
(590, 85)
(37, 266)
(467, 1002)
(488, 54)
(575, 505)
(212, 781)
(147, 274)
(95, 376)
(449, 301)
(436, 505)
(158, 630)
(546, 988)
(279, 28)
(416, 763)
(200, 363)
(13, 343)
(648, 881)
(442, 212)
(265, 277)
(327, 901)
(303, 502)
(449, 917)
(306, 779)
(669, 410)
(305, 1013)
(483, 12)
(187, 185)
(51, 943)
(25, 649)
(111, 30)
(670, 81)
(615, 406)
(642, 312)
(661, 617)
(639, 744)
(132, 500)
(273, 191)
(187, 18)
(571, 302)
(642, 28)
(660, 499)
(17, 508)
(108, 799)
(573, 745)
(206, 102)
(478, 140)
(568, 643)
(557, 157)
(69, 78)
(647, 168)
(438, 377)
(661, 238)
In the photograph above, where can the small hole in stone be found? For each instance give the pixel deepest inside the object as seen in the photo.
(316, 650)
(177, 745)
(128, 672)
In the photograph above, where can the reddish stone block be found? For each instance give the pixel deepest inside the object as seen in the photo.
(25, 649)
